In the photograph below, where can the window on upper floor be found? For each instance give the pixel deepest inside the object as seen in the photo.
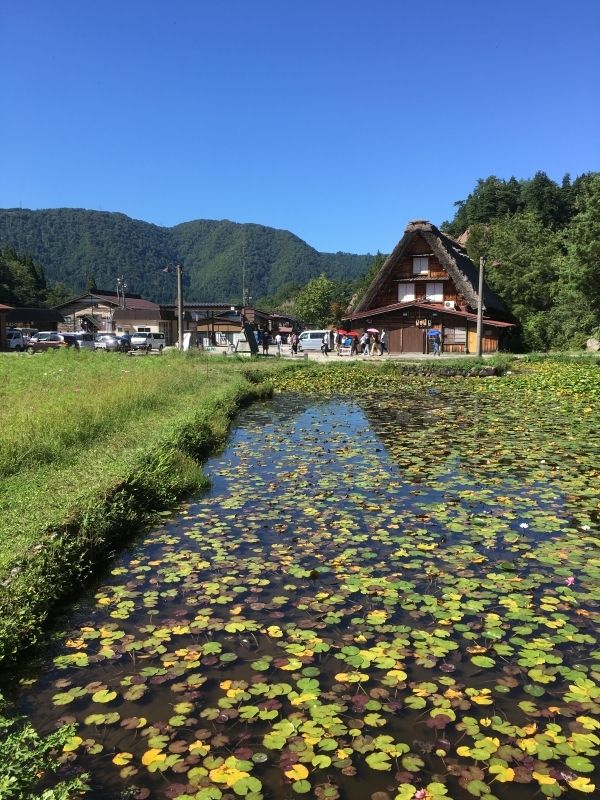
(420, 265)
(434, 292)
(406, 292)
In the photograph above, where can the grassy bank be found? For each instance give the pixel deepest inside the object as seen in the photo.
(90, 446)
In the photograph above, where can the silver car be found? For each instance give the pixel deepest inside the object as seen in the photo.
(107, 342)
(83, 340)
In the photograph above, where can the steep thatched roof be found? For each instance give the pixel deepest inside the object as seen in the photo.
(451, 255)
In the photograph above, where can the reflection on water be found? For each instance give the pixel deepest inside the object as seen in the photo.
(342, 614)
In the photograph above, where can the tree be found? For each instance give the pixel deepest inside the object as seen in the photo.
(522, 256)
(581, 268)
(57, 293)
(492, 198)
(361, 284)
(90, 283)
(547, 200)
(22, 282)
(312, 304)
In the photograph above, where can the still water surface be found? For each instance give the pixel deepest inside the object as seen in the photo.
(322, 622)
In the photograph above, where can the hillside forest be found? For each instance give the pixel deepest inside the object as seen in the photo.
(541, 241)
(75, 245)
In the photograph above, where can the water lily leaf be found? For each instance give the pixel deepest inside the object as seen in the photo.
(580, 764)
(301, 787)
(153, 755)
(412, 763)
(104, 696)
(72, 744)
(208, 793)
(246, 785)
(379, 761)
(483, 661)
(503, 773)
(321, 761)
(296, 772)
(122, 759)
(582, 784)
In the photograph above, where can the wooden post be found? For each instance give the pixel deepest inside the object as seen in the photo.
(480, 307)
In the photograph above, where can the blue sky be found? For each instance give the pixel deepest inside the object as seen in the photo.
(336, 119)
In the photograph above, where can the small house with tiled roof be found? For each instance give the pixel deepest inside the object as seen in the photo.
(103, 310)
(429, 283)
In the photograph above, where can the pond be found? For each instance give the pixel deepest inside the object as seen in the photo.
(353, 610)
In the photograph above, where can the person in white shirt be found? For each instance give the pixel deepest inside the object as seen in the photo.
(278, 343)
(383, 342)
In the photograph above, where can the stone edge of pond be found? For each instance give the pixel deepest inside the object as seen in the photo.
(69, 555)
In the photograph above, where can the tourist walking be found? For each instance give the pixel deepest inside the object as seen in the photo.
(364, 343)
(435, 340)
(265, 343)
(383, 342)
(338, 343)
(278, 344)
(294, 343)
(325, 344)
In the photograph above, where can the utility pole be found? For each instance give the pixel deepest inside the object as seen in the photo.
(480, 306)
(179, 269)
(243, 281)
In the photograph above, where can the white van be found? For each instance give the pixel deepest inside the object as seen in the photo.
(15, 340)
(311, 340)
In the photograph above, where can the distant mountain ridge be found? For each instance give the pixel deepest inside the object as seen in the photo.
(71, 244)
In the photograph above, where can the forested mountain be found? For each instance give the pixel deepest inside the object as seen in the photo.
(74, 244)
(542, 245)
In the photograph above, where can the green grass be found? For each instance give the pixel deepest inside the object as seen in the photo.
(89, 444)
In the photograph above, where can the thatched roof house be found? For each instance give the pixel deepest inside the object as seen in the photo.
(429, 283)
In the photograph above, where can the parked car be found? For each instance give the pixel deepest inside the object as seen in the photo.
(112, 342)
(148, 341)
(311, 340)
(83, 340)
(15, 340)
(28, 333)
(50, 340)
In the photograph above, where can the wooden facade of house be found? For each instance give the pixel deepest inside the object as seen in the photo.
(429, 282)
(3, 314)
(42, 319)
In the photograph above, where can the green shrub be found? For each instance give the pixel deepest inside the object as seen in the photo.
(29, 762)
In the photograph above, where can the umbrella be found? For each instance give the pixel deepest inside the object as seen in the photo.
(372, 330)
(352, 333)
